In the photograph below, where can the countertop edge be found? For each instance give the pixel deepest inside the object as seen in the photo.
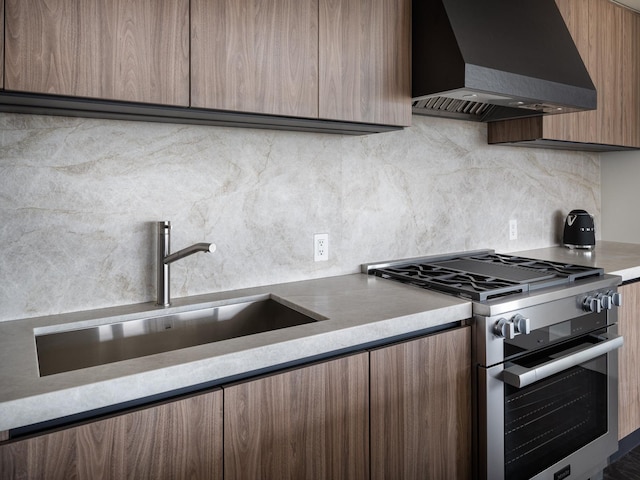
(200, 366)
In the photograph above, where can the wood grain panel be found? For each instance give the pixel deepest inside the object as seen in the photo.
(14, 460)
(608, 42)
(177, 440)
(132, 50)
(310, 423)
(365, 57)
(580, 126)
(100, 449)
(421, 408)
(53, 456)
(2, 29)
(255, 56)
(630, 66)
(628, 360)
(519, 130)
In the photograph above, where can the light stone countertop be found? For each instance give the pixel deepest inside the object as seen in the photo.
(615, 258)
(359, 310)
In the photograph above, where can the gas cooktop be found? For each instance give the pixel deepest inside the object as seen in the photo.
(482, 275)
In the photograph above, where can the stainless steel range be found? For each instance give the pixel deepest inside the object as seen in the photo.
(545, 357)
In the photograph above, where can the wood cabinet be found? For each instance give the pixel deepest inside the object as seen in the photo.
(325, 65)
(255, 56)
(365, 58)
(630, 64)
(333, 59)
(401, 411)
(131, 50)
(421, 408)
(179, 439)
(628, 358)
(310, 422)
(608, 39)
(2, 29)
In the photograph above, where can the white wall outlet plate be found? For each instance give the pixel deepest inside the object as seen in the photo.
(321, 247)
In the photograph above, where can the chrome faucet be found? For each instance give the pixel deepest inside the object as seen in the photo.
(165, 258)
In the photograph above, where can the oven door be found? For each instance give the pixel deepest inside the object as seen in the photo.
(551, 415)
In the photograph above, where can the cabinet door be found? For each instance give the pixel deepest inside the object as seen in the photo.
(628, 359)
(180, 439)
(421, 408)
(132, 50)
(311, 422)
(365, 56)
(606, 32)
(255, 56)
(2, 29)
(630, 65)
(581, 126)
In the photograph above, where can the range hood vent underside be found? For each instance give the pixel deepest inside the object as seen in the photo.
(467, 110)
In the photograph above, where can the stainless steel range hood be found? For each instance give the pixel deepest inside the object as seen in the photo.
(495, 59)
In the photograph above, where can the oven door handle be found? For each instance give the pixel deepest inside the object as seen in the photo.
(519, 377)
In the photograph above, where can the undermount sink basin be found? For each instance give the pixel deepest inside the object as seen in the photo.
(72, 350)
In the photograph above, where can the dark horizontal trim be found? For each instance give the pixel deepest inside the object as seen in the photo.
(36, 104)
(566, 145)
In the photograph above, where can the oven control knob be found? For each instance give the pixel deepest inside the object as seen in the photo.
(616, 298)
(505, 329)
(605, 300)
(592, 304)
(522, 324)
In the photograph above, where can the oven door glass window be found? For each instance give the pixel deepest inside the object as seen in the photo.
(550, 419)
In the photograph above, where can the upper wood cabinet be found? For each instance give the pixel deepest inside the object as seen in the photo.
(343, 60)
(178, 440)
(338, 66)
(311, 422)
(365, 57)
(255, 56)
(608, 39)
(131, 50)
(2, 44)
(421, 408)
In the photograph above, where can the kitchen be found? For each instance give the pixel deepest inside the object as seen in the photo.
(81, 198)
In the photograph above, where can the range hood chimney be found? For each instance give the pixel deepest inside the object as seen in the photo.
(489, 60)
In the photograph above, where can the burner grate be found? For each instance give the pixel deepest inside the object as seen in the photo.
(471, 285)
(566, 270)
(486, 276)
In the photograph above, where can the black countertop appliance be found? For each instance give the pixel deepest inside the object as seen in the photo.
(579, 230)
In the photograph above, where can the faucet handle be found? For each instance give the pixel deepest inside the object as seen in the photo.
(164, 225)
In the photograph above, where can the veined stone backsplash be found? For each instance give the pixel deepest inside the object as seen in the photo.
(80, 198)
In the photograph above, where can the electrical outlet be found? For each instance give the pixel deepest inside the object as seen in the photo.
(513, 229)
(321, 247)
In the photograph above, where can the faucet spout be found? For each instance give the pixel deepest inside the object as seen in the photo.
(185, 252)
(165, 258)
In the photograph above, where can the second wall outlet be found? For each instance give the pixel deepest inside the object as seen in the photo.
(513, 229)
(321, 247)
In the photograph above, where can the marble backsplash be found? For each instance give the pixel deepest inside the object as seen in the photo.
(79, 199)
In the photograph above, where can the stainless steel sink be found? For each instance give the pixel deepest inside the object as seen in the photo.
(72, 350)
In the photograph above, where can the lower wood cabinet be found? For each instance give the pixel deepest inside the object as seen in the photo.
(307, 423)
(398, 412)
(628, 359)
(421, 408)
(175, 440)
